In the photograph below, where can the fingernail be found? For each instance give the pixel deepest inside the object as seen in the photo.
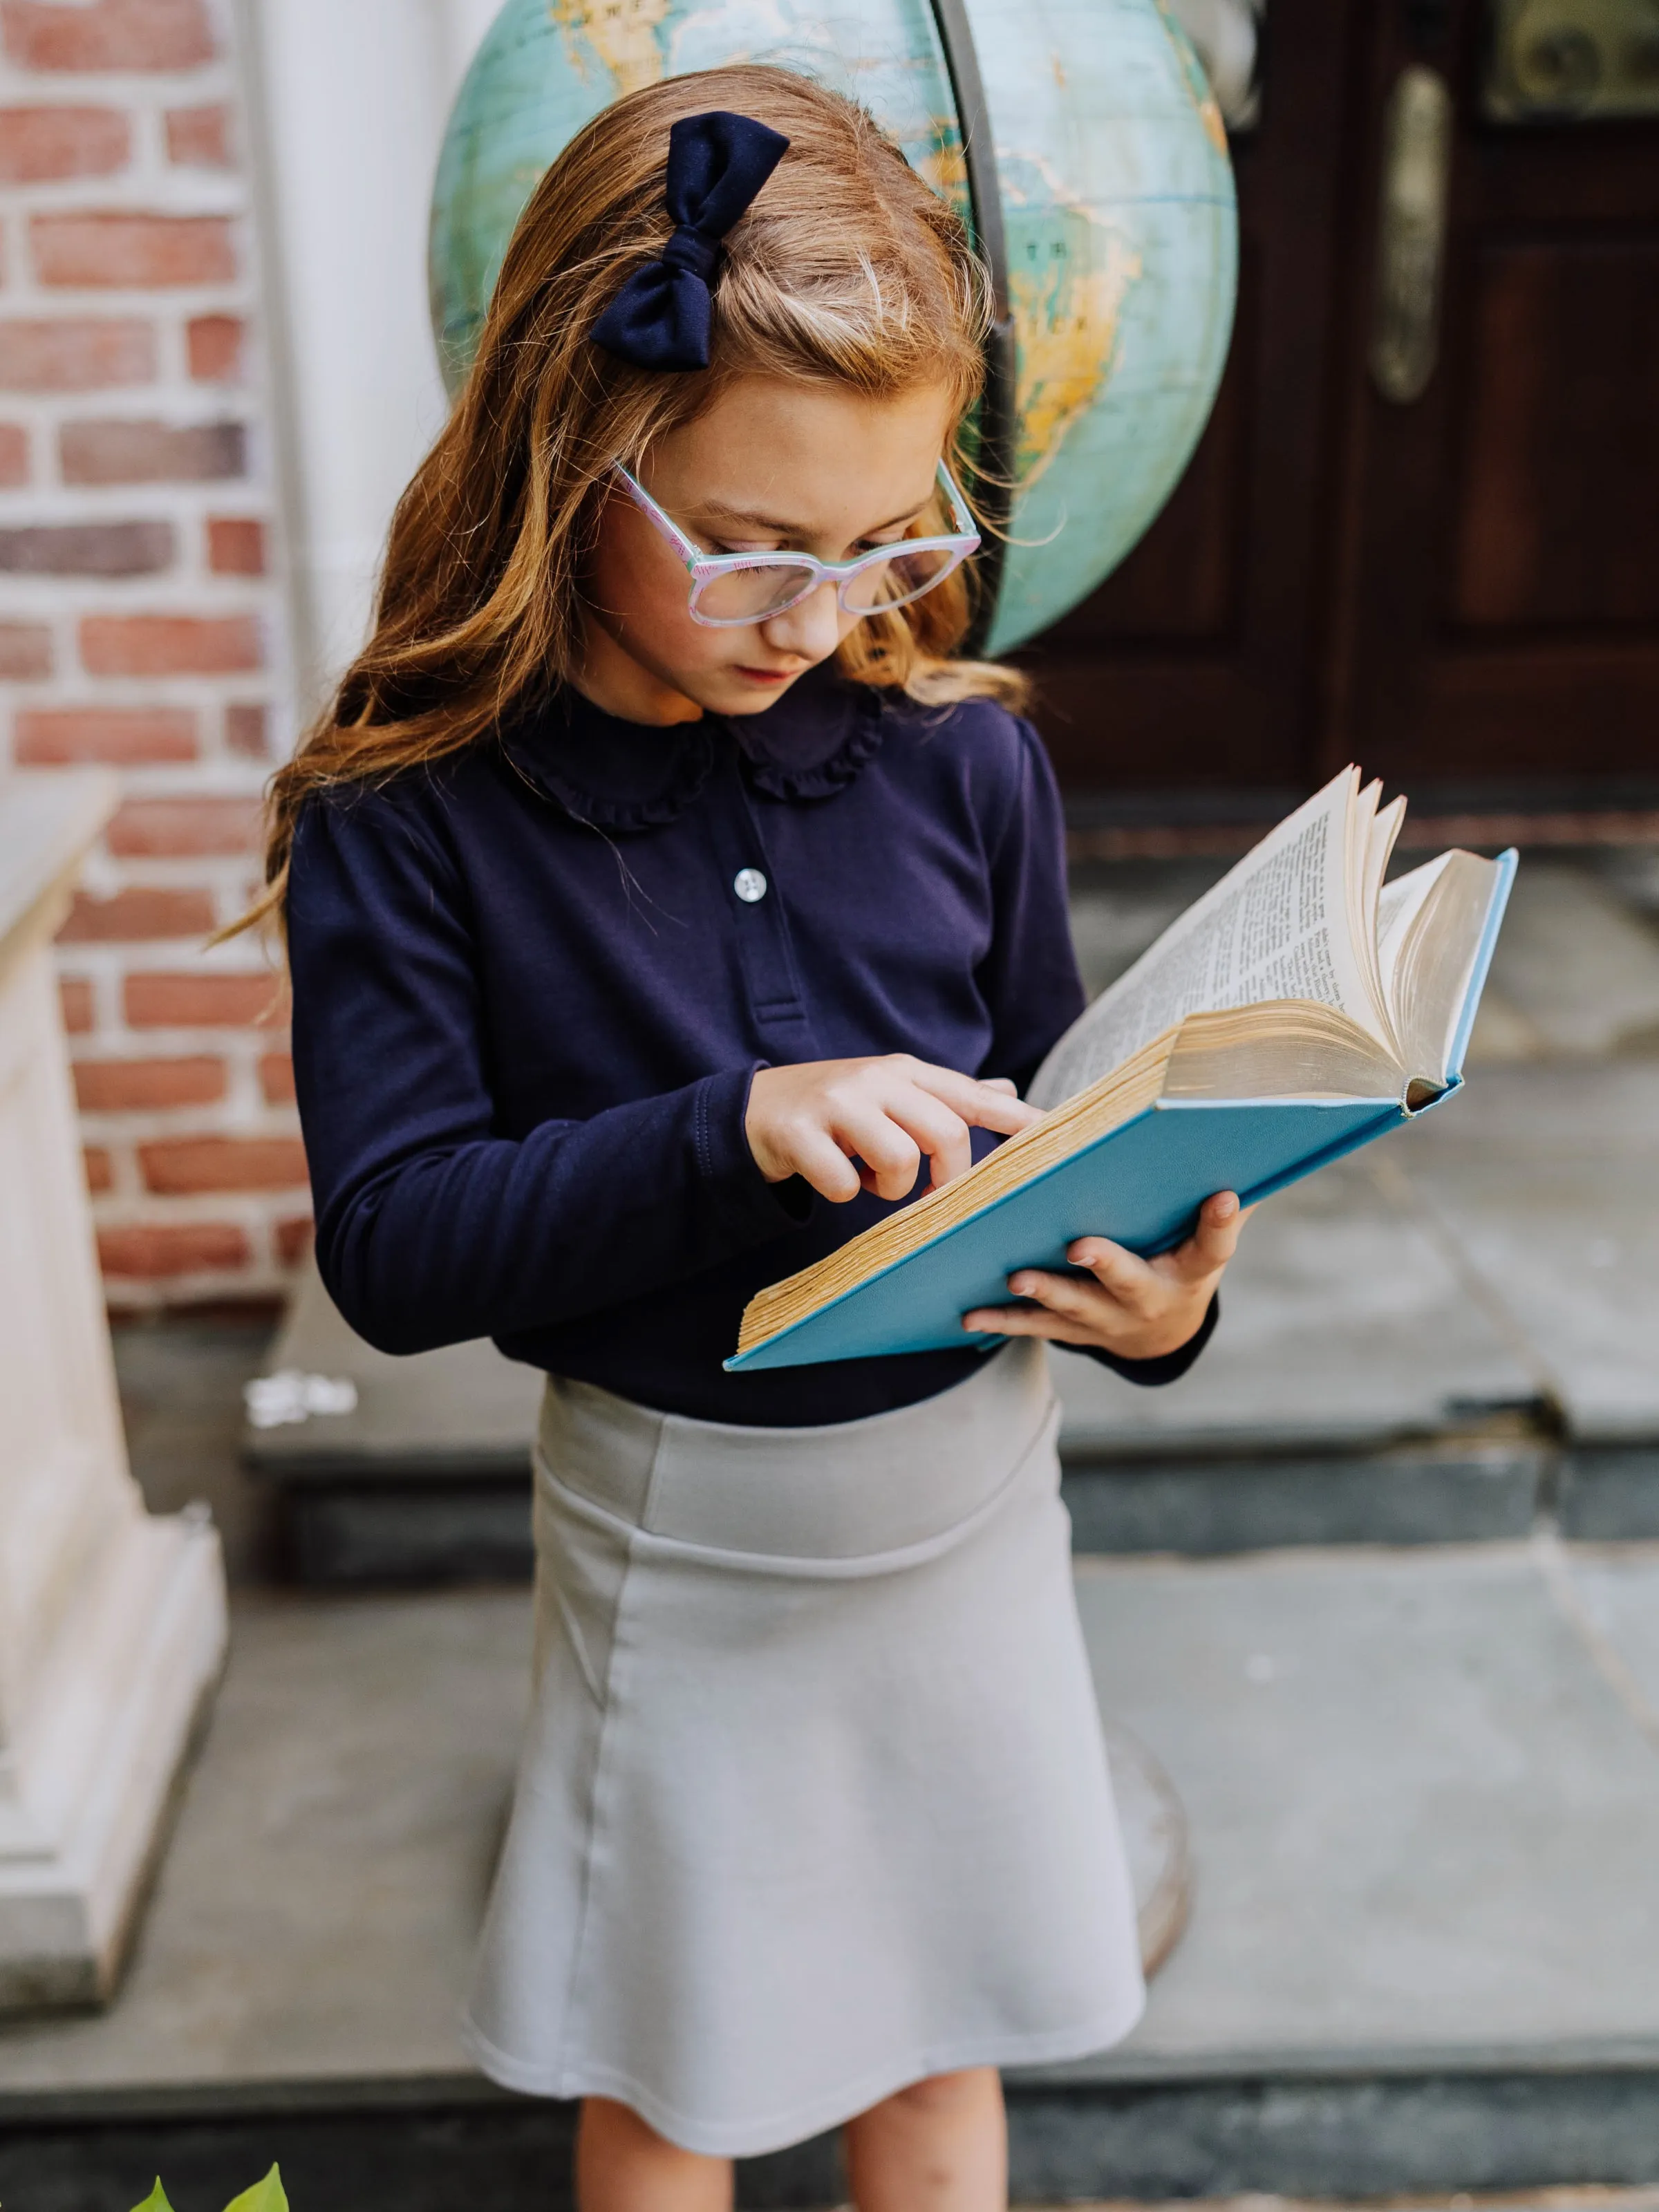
(1226, 1206)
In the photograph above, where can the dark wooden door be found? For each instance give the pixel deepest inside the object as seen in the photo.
(1460, 586)
(1192, 664)
(1495, 568)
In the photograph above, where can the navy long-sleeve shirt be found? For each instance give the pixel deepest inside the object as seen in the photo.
(532, 985)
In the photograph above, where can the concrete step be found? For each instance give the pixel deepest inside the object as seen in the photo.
(1422, 1792)
(1433, 1341)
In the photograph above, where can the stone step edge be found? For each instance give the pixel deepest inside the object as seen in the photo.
(1329, 2137)
(464, 2085)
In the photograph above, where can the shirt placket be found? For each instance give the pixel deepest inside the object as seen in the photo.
(753, 896)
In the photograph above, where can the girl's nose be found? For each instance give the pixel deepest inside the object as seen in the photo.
(811, 630)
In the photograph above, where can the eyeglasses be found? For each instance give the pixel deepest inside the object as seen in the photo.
(731, 589)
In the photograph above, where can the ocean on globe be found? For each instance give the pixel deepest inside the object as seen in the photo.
(1117, 201)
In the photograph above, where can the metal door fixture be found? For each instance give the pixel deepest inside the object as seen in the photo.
(1571, 61)
(1416, 136)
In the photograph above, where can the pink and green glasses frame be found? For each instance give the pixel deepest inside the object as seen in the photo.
(753, 587)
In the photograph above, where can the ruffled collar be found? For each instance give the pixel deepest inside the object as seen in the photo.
(626, 777)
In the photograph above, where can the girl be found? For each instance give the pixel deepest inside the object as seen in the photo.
(665, 903)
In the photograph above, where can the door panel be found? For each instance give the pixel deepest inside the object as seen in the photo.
(1559, 521)
(1572, 713)
(1495, 600)
(1461, 586)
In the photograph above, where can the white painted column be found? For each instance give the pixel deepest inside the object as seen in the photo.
(348, 100)
(111, 1623)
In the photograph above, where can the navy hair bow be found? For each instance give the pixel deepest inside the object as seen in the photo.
(717, 162)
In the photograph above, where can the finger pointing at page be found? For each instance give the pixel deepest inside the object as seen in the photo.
(816, 1119)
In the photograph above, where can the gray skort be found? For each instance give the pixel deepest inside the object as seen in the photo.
(813, 1801)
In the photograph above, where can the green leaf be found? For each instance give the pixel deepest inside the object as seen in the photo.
(156, 2201)
(266, 2195)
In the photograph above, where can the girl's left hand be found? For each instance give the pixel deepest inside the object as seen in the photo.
(1138, 1309)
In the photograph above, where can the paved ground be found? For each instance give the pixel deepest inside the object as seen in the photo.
(1348, 1323)
(1548, 1191)
(1422, 1792)
(317, 1904)
(1504, 1249)
(181, 1378)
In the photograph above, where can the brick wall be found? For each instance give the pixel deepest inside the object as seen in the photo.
(139, 626)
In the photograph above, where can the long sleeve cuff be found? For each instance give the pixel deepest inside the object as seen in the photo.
(1170, 1366)
(756, 1206)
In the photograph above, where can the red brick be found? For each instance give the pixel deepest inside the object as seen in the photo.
(74, 999)
(215, 344)
(110, 34)
(14, 454)
(235, 545)
(295, 1239)
(246, 732)
(25, 650)
(86, 549)
(176, 1166)
(166, 827)
(40, 144)
(200, 1001)
(153, 1250)
(141, 912)
(116, 452)
(100, 1174)
(124, 737)
(169, 645)
(111, 247)
(277, 1077)
(75, 353)
(199, 138)
(118, 1086)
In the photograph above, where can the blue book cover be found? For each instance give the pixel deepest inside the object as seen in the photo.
(1140, 1183)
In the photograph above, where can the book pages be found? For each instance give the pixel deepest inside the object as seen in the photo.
(1280, 924)
(1398, 905)
(1431, 922)
(1377, 828)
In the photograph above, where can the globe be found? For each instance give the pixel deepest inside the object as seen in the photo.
(1117, 199)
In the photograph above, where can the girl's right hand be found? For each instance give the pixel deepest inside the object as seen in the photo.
(852, 1125)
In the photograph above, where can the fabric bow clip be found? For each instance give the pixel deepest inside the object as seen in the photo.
(717, 162)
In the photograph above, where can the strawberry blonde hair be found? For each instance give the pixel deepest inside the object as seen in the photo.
(846, 269)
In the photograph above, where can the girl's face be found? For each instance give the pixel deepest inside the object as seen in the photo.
(772, 466)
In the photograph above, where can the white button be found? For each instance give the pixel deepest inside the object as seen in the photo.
(750, 884)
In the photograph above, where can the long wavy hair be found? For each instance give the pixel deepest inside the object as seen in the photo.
(848, 267)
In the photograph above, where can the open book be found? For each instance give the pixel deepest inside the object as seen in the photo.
(1300, 1008)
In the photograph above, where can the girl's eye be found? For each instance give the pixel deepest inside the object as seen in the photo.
(759, 545)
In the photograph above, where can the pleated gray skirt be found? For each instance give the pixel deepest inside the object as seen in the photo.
(813, 1801)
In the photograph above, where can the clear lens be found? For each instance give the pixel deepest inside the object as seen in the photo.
(756, 594)
(906, 576)
(753, 594)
